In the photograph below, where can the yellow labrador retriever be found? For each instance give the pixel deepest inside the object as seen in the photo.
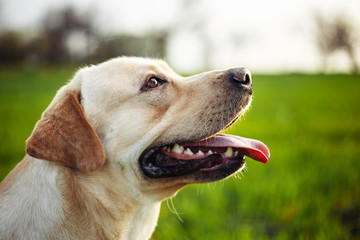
(115, 141)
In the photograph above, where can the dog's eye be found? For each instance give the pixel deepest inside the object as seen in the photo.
(152, 83)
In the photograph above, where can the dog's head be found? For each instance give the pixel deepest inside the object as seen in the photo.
(144, 123)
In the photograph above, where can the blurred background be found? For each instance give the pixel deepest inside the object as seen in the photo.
(305, 60)
(265, 36)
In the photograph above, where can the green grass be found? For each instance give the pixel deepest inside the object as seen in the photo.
(310, 188)
(23, 97)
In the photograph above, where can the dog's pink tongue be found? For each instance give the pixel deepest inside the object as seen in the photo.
(249, 147)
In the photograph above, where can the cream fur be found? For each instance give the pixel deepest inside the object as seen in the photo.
(40, 199)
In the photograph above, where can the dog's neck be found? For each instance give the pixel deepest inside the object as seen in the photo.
(117, 209)
(80, 205)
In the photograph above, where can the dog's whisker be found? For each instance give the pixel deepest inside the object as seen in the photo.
(173, 209)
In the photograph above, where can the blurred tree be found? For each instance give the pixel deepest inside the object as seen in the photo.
(334, 35)
(67, 36)
(11, 47)
(58, 27)
(150, 45)
(11, 44)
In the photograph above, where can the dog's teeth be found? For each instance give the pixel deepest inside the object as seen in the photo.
(210, 152)
(177, 148)
(168, 149)
(229, 152)
(236, 153)
(200, 153)
(188, 151)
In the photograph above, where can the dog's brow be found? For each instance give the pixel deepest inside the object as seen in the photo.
(159, 75)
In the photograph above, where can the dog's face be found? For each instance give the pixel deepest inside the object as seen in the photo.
(150, 122)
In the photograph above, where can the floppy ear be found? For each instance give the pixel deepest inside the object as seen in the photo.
(65, 136)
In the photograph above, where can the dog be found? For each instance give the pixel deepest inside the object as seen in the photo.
(118, 139)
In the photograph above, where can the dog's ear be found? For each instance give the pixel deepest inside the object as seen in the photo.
(65, 136)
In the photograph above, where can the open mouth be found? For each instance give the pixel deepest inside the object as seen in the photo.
(220, 153)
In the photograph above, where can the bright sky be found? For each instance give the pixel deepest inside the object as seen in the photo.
(262, 35)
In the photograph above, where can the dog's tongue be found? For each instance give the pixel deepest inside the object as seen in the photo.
(249, 147)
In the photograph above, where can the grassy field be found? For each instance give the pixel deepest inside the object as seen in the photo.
(310, 189)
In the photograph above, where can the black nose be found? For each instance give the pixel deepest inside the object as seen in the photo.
(240, 76)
